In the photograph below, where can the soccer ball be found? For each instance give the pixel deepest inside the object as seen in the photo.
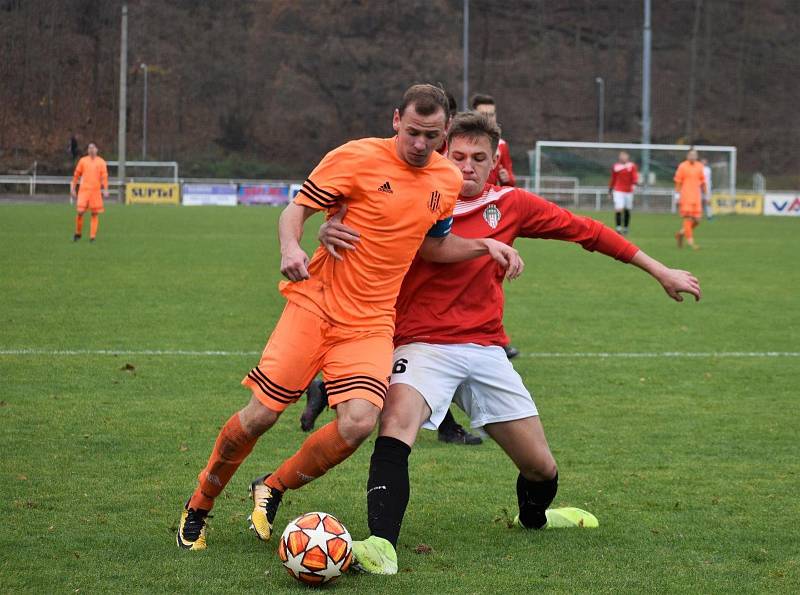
(316, 548)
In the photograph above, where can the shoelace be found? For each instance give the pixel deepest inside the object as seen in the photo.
(194, 523)
(270, 504)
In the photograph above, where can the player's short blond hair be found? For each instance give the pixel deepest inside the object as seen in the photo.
(473, 125)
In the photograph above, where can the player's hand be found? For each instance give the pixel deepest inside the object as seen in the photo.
(675, 282)
(502, 173)
(335, 234)
(507, 257)
(105, 194)
(294, 264)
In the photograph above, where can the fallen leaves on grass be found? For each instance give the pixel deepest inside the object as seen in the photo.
(423, 548)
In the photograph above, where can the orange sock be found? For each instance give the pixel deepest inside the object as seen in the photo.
(93, 226)
(79, 224)
(232, 447)
(688, 230)
(321, 451)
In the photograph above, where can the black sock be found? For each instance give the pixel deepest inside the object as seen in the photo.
(618, 218)
(448, 424)
(534, 497)
(388, 488)
(627, 217)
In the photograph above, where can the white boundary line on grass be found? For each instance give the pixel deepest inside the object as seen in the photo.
(577, 355)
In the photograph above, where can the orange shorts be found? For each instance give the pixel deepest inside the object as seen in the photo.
(354, 364)
(90, 201)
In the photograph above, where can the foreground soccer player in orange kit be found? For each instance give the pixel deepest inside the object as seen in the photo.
(399, 195)
(92, 175)
(690, 184)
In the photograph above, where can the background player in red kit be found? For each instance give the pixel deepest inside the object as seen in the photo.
(624, 175)
(449, 334)
(502, 173)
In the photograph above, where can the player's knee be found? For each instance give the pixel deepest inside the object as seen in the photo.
(257, 418)
(540, 469)
(356, 425)
(396, 421)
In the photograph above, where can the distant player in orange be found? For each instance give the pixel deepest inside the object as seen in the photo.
(398, 194)
(690, 185)
(91, 175)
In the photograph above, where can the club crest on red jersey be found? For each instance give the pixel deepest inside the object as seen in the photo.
(492, 215)
(433, 203)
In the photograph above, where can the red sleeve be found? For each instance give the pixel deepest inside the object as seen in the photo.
(613, 179)
(505, 161)
(540, 218)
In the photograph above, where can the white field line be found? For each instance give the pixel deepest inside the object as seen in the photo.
(577, 355)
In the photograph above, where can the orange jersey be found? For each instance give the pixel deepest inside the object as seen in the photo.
(393, 206)
(92, 175)
(689, 176)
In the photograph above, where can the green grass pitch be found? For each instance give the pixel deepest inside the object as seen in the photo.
(691, 464)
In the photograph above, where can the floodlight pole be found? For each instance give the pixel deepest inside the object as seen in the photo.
(143, 66)
(465, 86)
(646, 47)
(123, 103)
(601, 108)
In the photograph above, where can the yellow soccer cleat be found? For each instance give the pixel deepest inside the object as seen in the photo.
(265, 506)
(566, 518)
(192, 529)
(374, 555)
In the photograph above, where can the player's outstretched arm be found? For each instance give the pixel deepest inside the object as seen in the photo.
(334, 234)
(294, 260)
(674, 281)
(452, 248)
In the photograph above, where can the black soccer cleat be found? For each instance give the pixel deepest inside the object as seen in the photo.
(458, 435)
(511, 351)
(76, 237)
(316, 402)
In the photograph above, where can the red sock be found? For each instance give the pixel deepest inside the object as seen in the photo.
(321, 451)
(232, 447)
(79, 224)
(93, 227)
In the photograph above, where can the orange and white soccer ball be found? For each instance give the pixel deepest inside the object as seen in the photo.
(316, 548)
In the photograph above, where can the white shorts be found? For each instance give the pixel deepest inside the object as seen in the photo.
(485, 384)
(622, 200)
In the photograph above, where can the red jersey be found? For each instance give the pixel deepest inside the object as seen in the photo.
(503, 161)
(623, 177)
(463, 302)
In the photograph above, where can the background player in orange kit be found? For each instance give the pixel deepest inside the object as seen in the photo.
(91, 174)
(624, 176)
(690, 184)
(398, 194)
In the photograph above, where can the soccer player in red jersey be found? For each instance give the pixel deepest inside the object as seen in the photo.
(339, 317)
(449, 336)
(502, 173)
(624, 176)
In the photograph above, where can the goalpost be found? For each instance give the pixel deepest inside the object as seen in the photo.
(576, 174)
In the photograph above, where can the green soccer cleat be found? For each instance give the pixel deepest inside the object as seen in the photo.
(566, 518)
(192, 529)
(374, 555)
(265, 506)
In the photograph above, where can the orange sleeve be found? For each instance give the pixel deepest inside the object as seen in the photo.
(78, 172)
(679, 174)
(332, 179)
(104, 176)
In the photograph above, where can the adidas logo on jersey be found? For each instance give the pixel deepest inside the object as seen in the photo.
(385, 187)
